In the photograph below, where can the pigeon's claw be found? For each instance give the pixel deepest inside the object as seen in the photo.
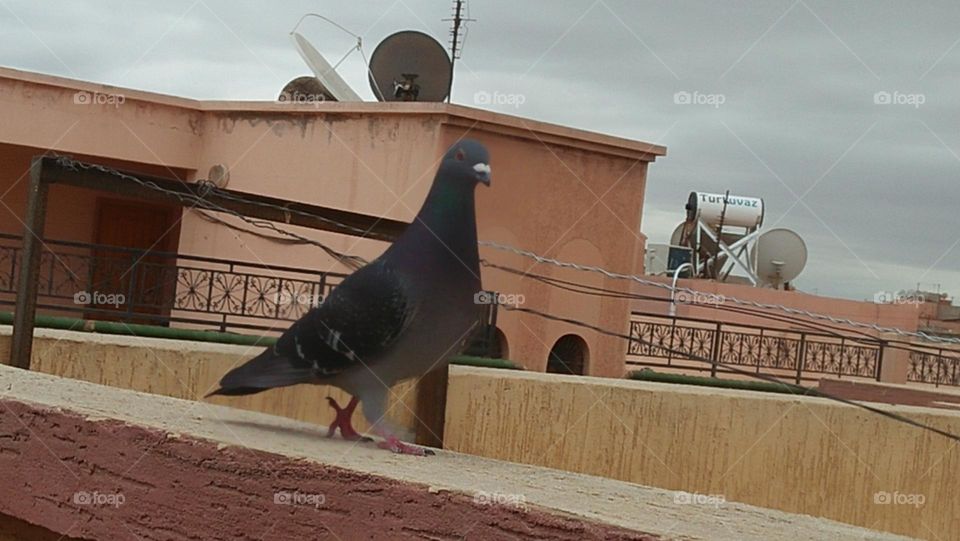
(343, 421)
(392, 443)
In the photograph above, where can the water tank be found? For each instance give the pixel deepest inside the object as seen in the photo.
(741, 211)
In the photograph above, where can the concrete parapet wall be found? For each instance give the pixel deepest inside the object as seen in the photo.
(798, 454)
(187, 370)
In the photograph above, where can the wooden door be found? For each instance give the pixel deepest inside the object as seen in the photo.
(133, 281)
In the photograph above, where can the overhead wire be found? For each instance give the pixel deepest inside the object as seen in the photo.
(193, 202)
(349, 260)
(355, 260)
(766, 306)
(832, 330)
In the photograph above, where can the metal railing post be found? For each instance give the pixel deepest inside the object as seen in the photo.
(881, 348)
(840, 360)
(801, 357)
(715, 353)
(936, 382)
(132, 285)
(673, 332)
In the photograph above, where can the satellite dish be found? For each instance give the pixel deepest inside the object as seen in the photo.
(329, 80)
(677, 236)
(781, 255)
(306, 89)
(410, 66)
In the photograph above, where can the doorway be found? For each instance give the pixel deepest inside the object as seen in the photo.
(132, 270)
(569, 355)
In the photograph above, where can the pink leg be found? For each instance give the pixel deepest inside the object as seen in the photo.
(343, 420)
(393, 443)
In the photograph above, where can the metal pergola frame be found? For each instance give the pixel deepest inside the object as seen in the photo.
(46, 170)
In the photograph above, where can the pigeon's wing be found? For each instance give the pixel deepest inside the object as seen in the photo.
(361, 319)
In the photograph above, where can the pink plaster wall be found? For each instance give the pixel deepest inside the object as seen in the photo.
(904, 316)
(555, 190)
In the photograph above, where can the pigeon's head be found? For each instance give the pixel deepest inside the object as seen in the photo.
(468, 161)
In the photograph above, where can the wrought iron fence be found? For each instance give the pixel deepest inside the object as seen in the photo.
(941, 367)
(97, 281)
(134, 285)
(801, 354)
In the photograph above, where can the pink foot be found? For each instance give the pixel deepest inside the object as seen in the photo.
(343, 421)
(392, 443)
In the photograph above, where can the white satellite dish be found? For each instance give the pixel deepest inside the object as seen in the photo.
(781, 255)
(677, 236)
(328, 76)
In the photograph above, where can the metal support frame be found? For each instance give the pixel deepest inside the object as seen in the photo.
(733, 258)
(46, 170)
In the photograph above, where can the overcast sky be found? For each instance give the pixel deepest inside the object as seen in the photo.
(788, 97)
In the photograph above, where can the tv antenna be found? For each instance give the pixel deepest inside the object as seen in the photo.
(457, 38)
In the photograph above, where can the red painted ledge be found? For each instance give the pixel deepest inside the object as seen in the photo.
(91, 462)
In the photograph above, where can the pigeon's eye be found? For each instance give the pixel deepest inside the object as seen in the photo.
(460, 155)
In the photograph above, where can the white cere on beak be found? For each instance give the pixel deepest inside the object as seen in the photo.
(482, 168)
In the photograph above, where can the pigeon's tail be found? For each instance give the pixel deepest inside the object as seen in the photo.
(265, 371)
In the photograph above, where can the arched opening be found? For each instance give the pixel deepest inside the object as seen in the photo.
(500, 349)
(569, 355)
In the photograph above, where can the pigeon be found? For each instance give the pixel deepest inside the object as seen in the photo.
(396, 318)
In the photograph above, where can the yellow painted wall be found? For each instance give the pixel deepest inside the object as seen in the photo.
(188, 370)
(798, 454)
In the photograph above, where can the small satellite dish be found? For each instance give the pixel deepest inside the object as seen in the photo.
(410, 66)
(331, 82)
(781, 255)
(219, 175)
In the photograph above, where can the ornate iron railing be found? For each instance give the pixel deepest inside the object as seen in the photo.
(800, 354)
(133, 285)
(941, 367)
(136, 286)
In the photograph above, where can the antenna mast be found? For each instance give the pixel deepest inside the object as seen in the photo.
(456, 40)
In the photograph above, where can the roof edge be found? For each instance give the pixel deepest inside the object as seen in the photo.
(453, 113)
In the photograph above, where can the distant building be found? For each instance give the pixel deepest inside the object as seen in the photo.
(557, 191)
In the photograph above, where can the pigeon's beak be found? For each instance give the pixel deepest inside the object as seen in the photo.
(483, 173)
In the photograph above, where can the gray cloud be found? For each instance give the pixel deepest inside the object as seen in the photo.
(798, 81)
